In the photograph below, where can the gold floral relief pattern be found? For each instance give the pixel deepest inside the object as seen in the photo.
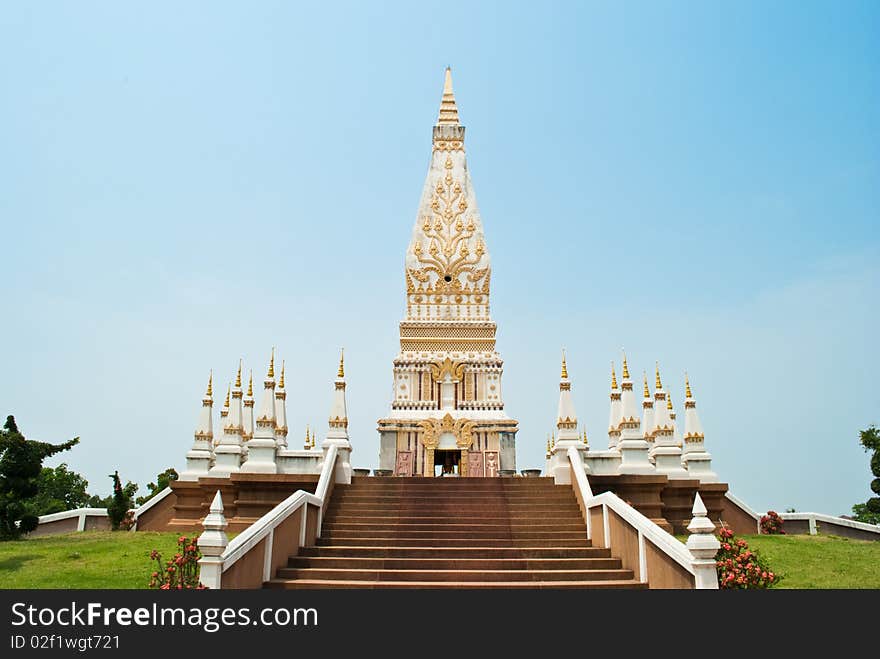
(448, 232)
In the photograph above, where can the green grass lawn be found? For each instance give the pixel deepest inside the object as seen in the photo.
(820, 561)
(93, 559)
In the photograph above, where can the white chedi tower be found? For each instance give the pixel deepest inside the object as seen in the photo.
(235, 407)
(633, 447)
(667, 454)
(281, 412)
(198, 459)
(337, 432)
(695, 457)
(616, 413)
(648, 415)
(566, 426)
(261, 449)
(247, 430)
(227, 453)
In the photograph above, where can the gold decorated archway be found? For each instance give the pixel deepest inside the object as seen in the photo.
(430, 439)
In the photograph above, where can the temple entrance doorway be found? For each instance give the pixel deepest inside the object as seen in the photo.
(447, 462)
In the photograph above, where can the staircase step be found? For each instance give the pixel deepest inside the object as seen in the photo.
(397, 551)
(381, 563)
(499, 534)
(455, 525)
(452, 519)
(331, 583)
(458, 542)
(453, 575)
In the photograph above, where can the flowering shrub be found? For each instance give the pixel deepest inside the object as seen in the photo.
(182, 571)
(772, 523)
(739, 567)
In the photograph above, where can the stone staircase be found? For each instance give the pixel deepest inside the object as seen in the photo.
(453, 533)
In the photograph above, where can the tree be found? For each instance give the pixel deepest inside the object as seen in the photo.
(20, 463)
(120, 501)
(58, 489)
(163, 480)
(869, 511)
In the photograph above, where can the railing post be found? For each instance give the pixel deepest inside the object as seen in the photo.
(212, 544)
(643, 559)
(703, 546)
(606, 526)
(267, 555)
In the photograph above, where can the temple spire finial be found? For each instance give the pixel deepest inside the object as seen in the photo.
(448, 109)
(657, 383)
(613, 378)
(564, 367)
(251, 384)
(228, 391)
(210, 391)
(341, 372)
(272, 364)
(647, 391)
(625, 367)
(687, 386)
(238, 376)
(281, 382)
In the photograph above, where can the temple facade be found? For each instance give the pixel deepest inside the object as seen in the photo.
(447, 411)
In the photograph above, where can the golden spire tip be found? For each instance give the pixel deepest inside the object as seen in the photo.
(281, 382)
(657, 383)
(613, 377)
(341, 372)
(647, 391)
(210, 383)
(238, 376)
(687, 386)
(448, 109)
(251, 383)
(564, 368)
(272, 364)
(625, 367)
(228, 390)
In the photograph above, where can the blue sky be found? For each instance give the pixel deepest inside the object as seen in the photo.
(184, 185)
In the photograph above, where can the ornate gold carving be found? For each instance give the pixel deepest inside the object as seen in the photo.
(447, 254)
(448, 145)
(440, 370)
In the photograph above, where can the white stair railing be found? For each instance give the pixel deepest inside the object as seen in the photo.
(696, 558)
(220, 556)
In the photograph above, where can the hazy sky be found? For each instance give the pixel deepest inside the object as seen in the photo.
(184, 184)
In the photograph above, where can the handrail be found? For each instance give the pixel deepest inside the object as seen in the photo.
(146, 505)
(68, 514)
(252, 535)
(700, 565)
(812, 518)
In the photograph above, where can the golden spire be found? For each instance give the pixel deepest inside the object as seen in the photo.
(210, 391)
(585, 435)
(647, 391)
(281, 382)
(238, 376)
(687, 386)
(226, 404)
(548, 442)
(448, 109)
(313, 439)
(625, 368)
(341, 372)
(251, 384)
(564, 368)
(308, 441)
(657, 383)
(613, 378)
(668, 402)
(272, 364)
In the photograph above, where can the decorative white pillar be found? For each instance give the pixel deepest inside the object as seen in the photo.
(281, 412)
(212, 543)
(198, 459)
(566, 424)
(227, 453)
(703, 546)
(247, 420)
(633, 447)
(616, 413)
(667, 454)
(337, 434)
(695, 458)
(261, 449)
(648, 417)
